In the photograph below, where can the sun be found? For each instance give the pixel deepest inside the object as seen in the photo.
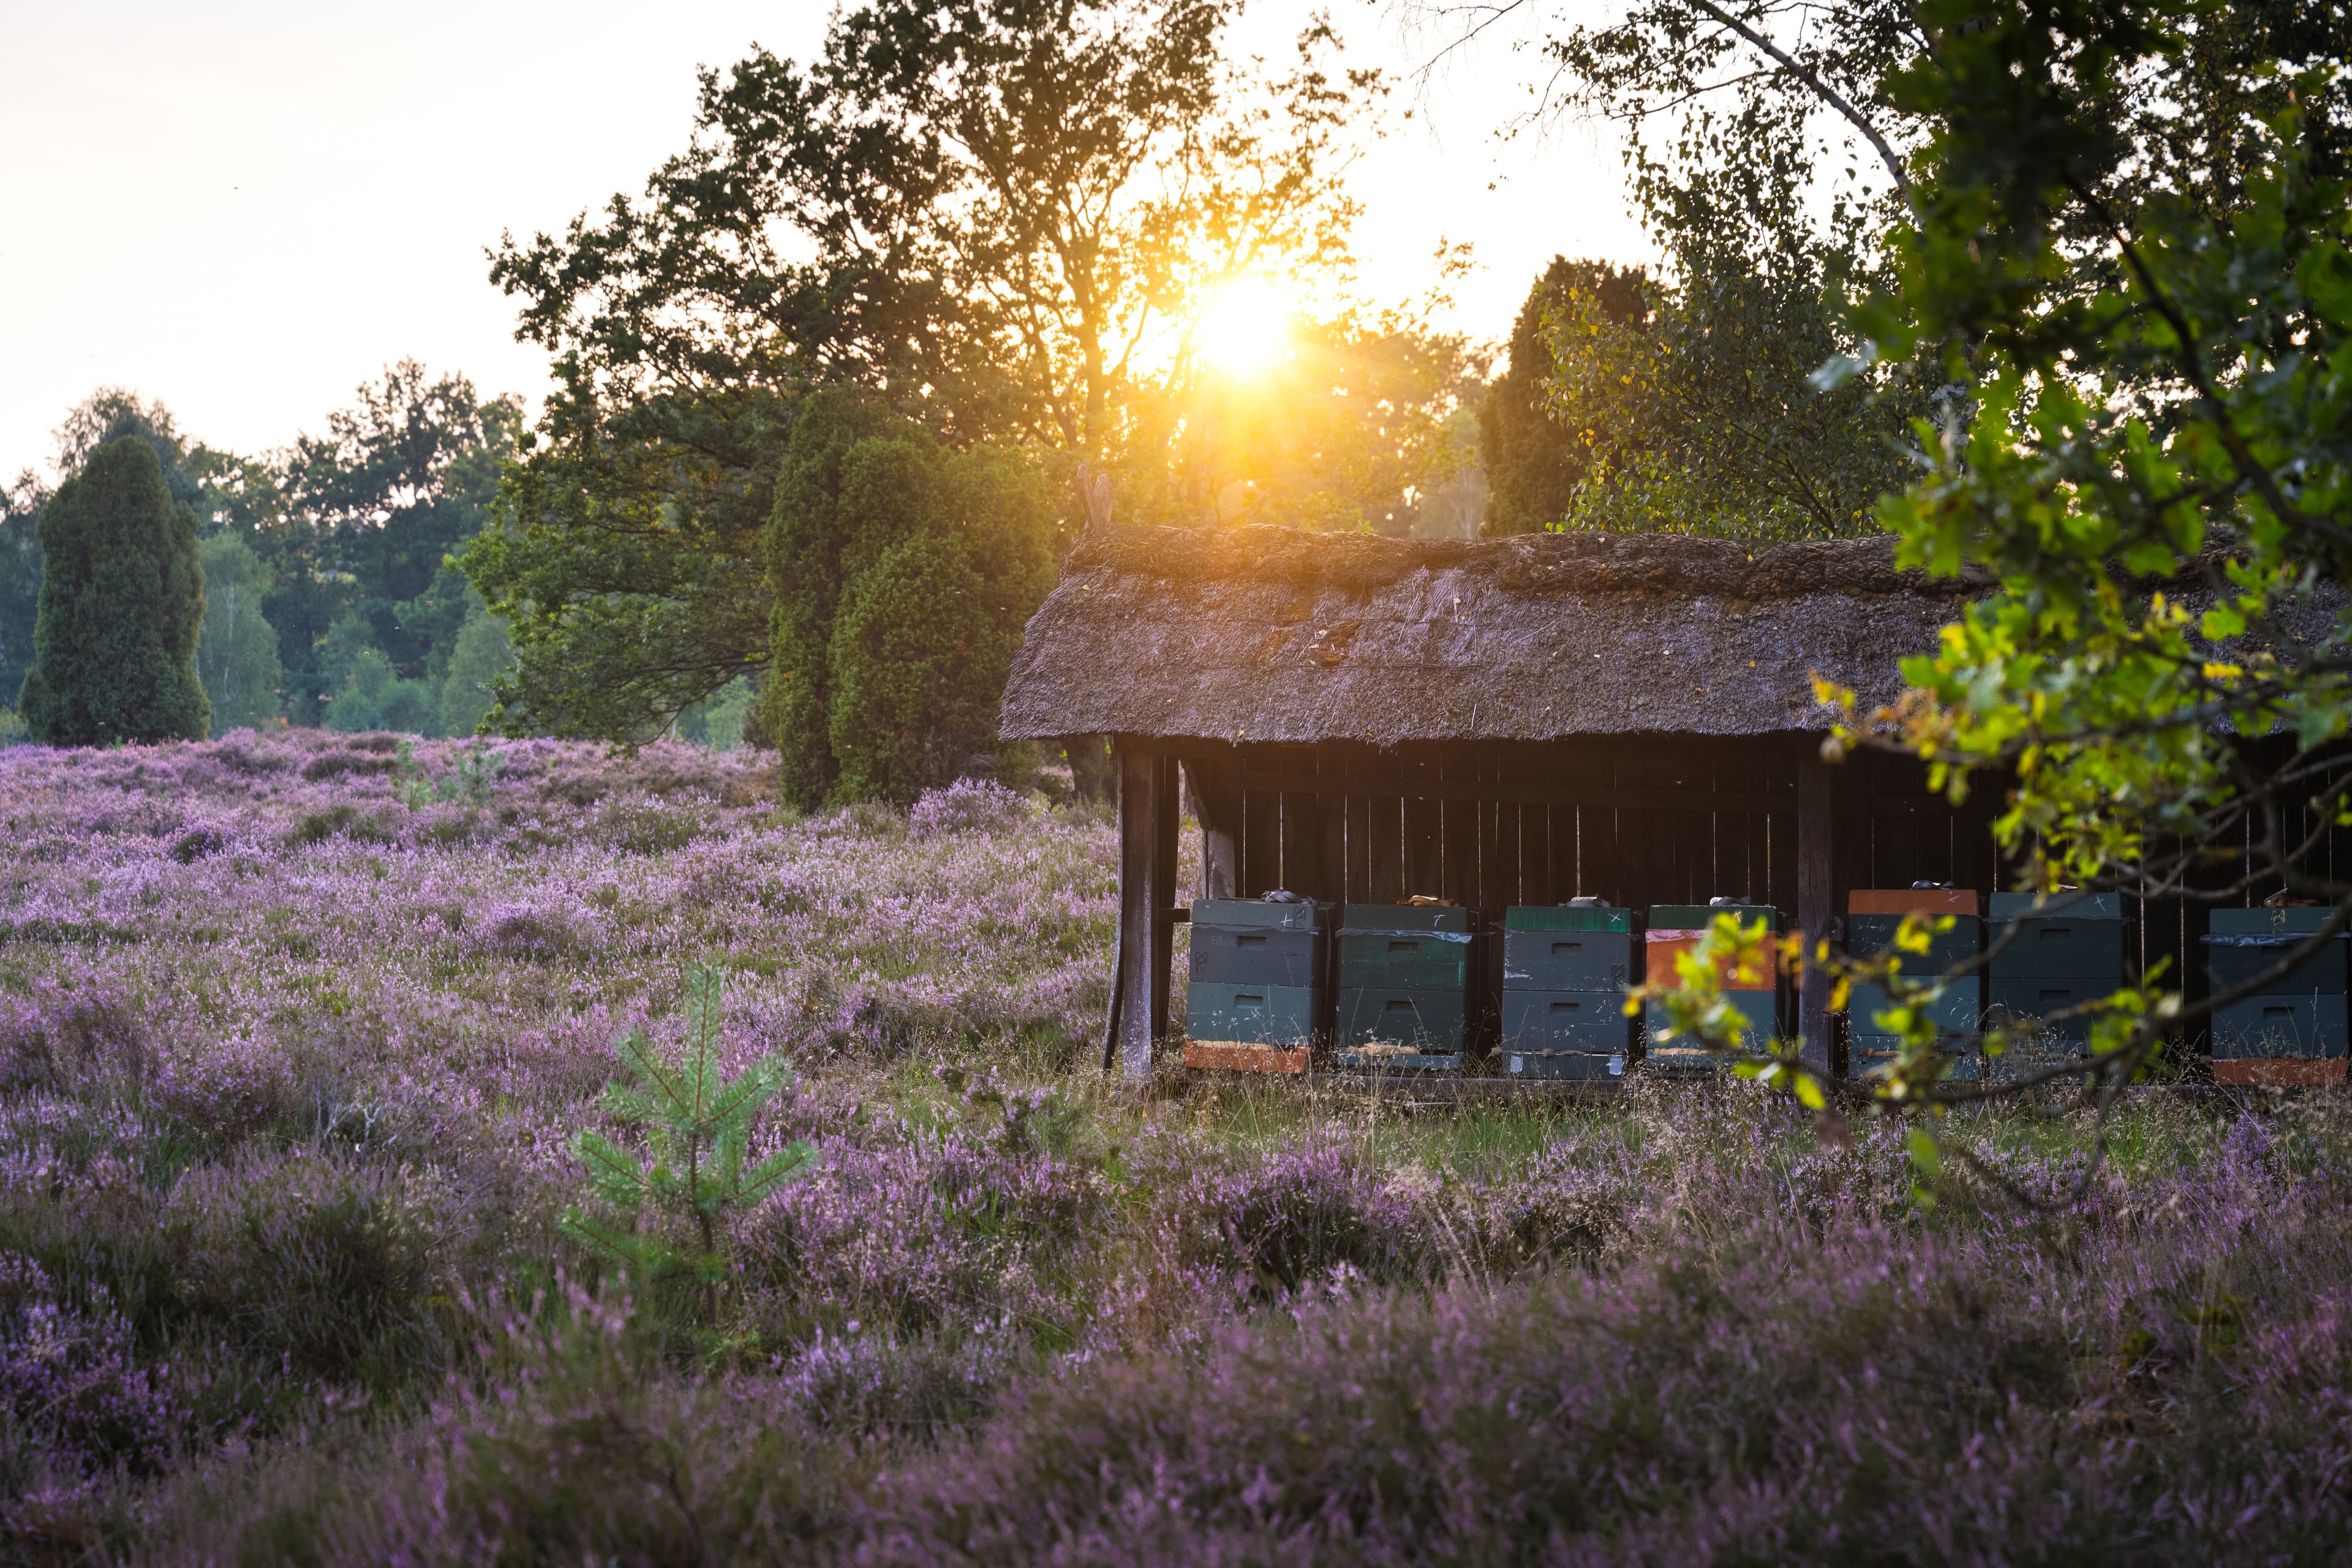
(1244, 326)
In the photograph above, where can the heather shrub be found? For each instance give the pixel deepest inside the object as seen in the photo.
(72, 1026)
(1849, 1399)
(649, 826)
(573, 1446)
(197, 843)
(1300, 1215)
(345, 821)
(334, 1266)
(965, 806)
(354, 764)
(71, 1381)
(538, 929)
(952, 1234)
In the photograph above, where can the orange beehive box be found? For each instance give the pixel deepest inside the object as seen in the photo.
(1913, 901)
(2279, 1071)
(1665, 946)
(1228, 1057)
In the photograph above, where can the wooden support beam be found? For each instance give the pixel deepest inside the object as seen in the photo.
(1147, 900)
(1217, 797)
(1816, 896)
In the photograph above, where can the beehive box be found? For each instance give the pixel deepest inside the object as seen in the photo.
(1409, 961)
(1866, 1054)
(1424, 1021)
(1255, 1001)
(1405, 979)
(1677, 928)
(1961, 1008)
(1588, 1067)
(1257, 955)
(1573, 948)
(1759, 1007)
(1592, 1021)
(2310, 1026)
(1912, 902)
(2242, 943)
(2068, 953)
(2295, 1029)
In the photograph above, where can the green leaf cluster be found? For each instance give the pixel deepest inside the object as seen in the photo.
(992, 218)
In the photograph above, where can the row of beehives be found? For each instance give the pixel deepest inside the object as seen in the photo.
(1394, 987)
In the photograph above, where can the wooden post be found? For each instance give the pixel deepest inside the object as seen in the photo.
(1146, 903)
(1816, 895)
(1217, 796)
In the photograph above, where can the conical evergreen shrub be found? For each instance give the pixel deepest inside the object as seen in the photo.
(122, 602)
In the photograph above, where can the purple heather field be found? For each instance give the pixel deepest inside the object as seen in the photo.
(295, 1036)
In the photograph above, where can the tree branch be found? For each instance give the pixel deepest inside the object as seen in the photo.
(1822, 91)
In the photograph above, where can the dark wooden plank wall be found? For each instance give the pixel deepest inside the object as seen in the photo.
(1355, 841)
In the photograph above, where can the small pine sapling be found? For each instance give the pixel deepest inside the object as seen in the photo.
(470, 779)
(697, 1126)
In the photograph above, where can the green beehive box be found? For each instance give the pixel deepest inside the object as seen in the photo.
(2273, 1027)
(1867, 936)
(1756, 1005)
(1567, 959)
(2057, 906)
(1569, 917)
(2232, 960)
(1587, 1067)
(2086, 949)
(1405, 918)
(1401, 1063)
(1258, 913)
(1405, 960)
(1256, 955)
(1430, 1021)
(1587, 1021)
(1251, 1015)
(1960, 1010)
(2031, 999)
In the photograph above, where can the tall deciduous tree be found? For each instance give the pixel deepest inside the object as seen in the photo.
(123, 596)
(365, 516)
(993, 216)
(236, 656)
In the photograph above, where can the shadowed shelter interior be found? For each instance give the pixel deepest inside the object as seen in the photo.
(1495, 721)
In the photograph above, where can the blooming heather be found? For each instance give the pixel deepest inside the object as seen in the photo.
(291, 1072)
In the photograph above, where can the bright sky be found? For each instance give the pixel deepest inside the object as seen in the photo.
(247, 208)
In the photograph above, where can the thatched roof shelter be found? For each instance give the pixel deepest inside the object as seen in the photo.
(1507, 722)
(1271, 635)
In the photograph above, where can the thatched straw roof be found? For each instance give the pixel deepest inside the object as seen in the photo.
(1267, 633)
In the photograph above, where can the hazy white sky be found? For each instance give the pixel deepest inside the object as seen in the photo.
(247, 208)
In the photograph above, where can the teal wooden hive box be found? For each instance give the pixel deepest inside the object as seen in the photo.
(1405, 980)
(1565, 971)
(2048, 956)
(1258, 973)
(2294, 1017)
